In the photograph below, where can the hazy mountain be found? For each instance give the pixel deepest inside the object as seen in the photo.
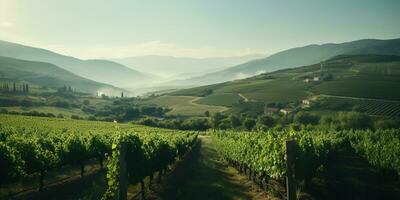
(98, 70)
(46, 74)
(180, 67)
(295, 57)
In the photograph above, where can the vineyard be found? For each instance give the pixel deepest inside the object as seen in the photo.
(262, 155)
(30, 145)
(372, 107)
(131, 154)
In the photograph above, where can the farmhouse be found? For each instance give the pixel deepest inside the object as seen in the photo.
(316, 78)
(286, 111)
(306, 80)
(306, 102)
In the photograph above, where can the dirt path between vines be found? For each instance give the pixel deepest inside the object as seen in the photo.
(203, 175)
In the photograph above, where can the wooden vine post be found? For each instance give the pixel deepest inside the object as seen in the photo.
(290, 158)
(123, 175)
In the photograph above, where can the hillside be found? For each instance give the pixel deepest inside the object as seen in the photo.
(181, 67)
(45, 74)
(98, 70)
(296, 57)
(365, 77)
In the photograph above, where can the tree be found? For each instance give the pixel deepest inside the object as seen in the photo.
(207, 113)
(266, 120)
(14, 87)
(131, 113)
(206, 92)
(387, 124)
(122, 94)
(216, 120)
(6, 87)
(234, 121)
(86, 102)
(306, 118)
(249, 124)
(327, 77)
(225, 124)
(196, 124)
(355, 120)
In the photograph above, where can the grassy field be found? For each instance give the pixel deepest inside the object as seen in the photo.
(184, 105)
(66, 112)
(223, 99)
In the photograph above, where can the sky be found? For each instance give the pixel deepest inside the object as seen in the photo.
(189, 28)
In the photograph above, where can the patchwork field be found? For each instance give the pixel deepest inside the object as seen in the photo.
(223, 99)
(375, 77)
(185, 105)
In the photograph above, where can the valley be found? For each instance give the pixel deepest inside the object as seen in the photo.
(193, 100)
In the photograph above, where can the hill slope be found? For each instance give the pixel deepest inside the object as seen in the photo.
(98, 70)
(45, 74)
(361, 76)
(296, 57)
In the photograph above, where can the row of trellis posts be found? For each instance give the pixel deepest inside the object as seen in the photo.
(290, 182)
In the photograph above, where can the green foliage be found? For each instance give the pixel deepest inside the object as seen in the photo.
(266, 120)
(354, 120)
(146, 154)
(306, 118)
(234, 121)
(249, 124)
(9, 162)
(216, 120)
(35, 145)
(263, 152)
(381, 148)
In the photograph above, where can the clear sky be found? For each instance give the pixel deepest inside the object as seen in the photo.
(201, 28)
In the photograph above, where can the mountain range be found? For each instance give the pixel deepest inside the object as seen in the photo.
(104, 71)
(295, 57)
(46, 75)
(117, 73)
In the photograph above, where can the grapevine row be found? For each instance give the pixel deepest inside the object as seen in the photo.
(262, 154)
(34, 145)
